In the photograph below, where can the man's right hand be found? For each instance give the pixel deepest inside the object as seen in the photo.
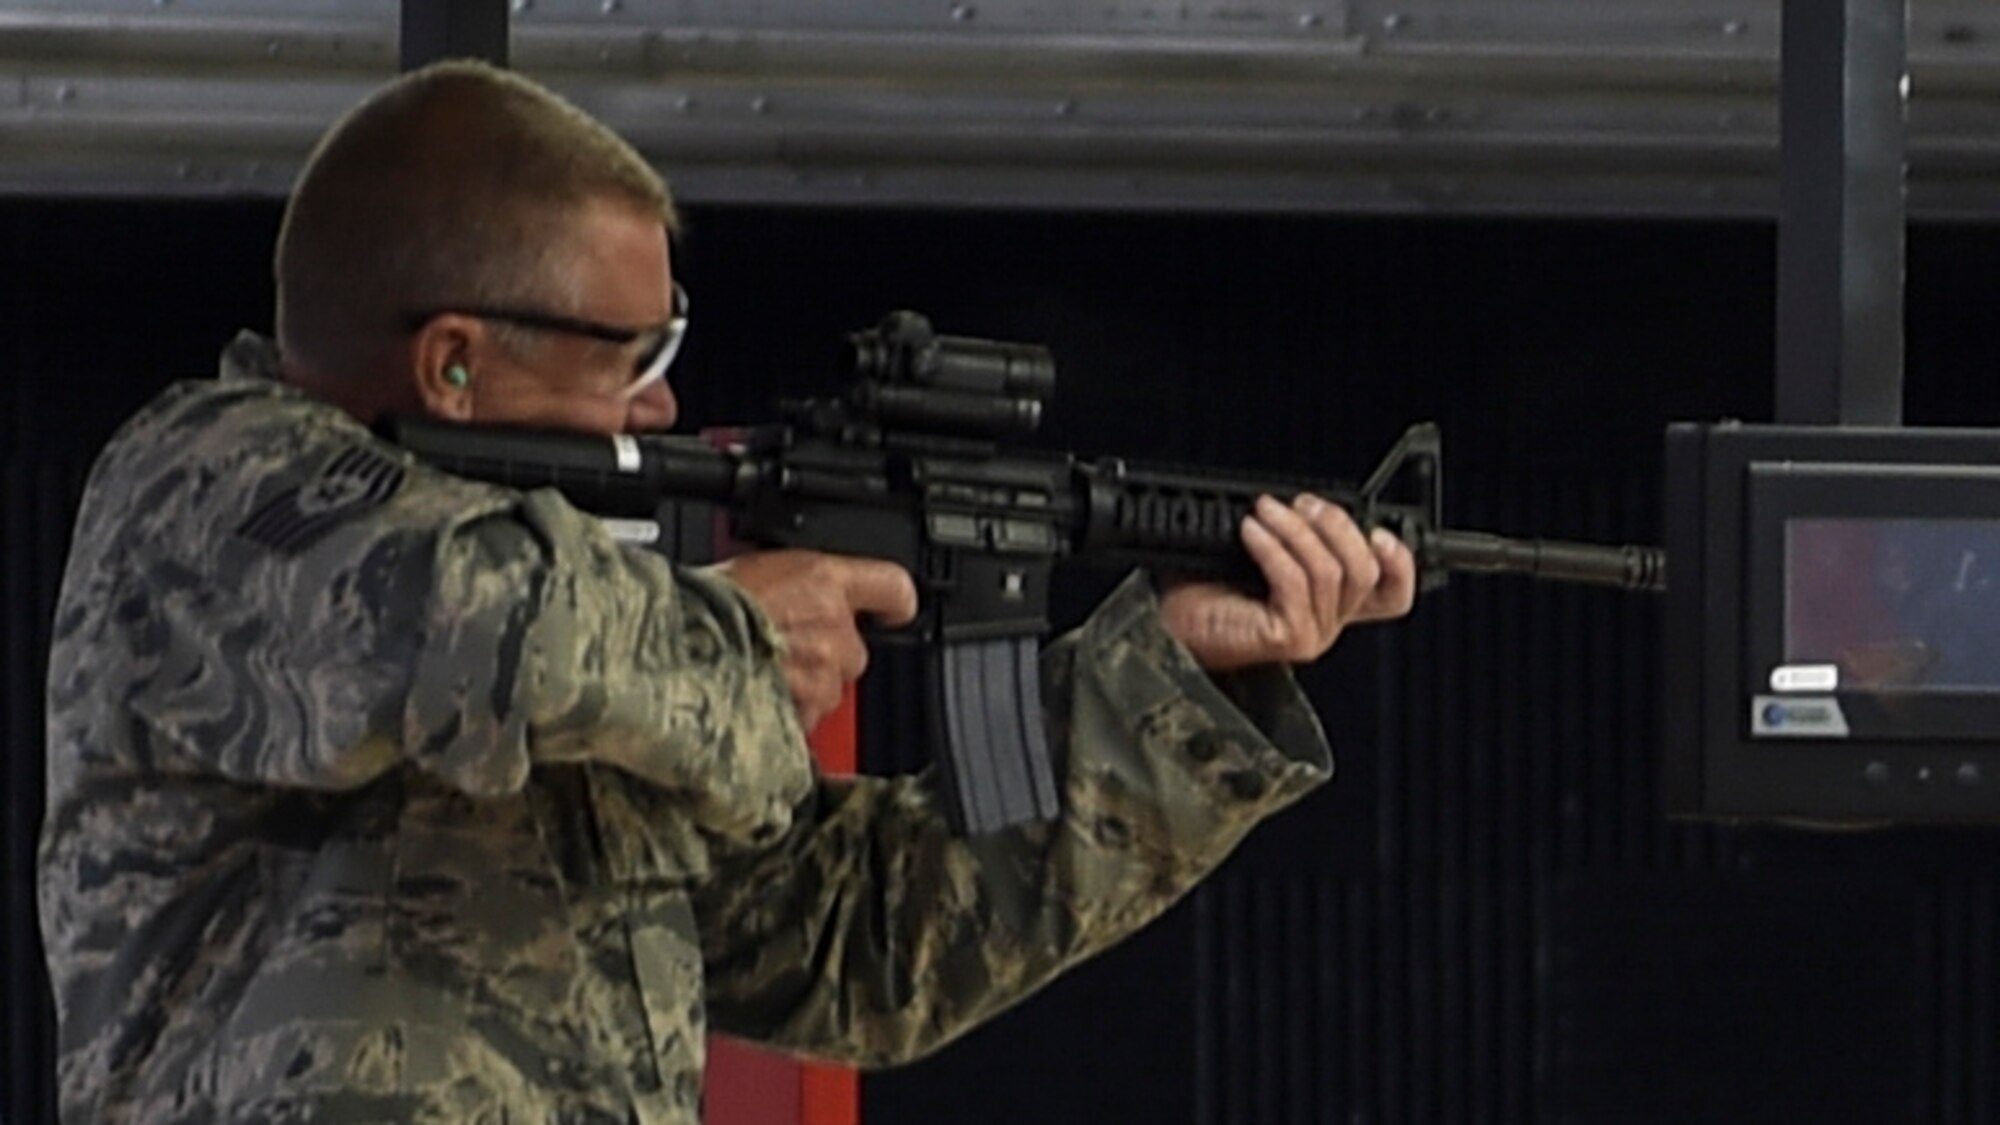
(814, 599)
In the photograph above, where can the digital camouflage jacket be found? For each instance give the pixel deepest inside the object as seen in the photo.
(375, 794)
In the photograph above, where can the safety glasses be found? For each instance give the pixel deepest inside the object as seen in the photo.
(662, 342)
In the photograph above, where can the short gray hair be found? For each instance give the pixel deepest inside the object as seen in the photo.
(452, 185)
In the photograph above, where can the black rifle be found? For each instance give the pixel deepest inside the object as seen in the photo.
(910, 467)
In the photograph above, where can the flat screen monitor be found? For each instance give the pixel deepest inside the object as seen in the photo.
(1833, 624)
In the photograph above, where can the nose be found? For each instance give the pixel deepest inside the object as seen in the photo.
(654, 408)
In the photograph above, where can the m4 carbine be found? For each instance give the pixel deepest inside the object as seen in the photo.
(911, 466)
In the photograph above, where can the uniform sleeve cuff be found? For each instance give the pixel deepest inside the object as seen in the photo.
(1251, 735)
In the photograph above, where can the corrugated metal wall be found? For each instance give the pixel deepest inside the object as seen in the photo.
(1483, 919)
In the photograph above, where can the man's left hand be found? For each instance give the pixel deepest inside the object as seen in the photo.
(1323, 575)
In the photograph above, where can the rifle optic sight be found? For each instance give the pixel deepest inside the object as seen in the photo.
(908, 377)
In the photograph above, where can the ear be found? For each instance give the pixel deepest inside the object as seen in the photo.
(444, 361)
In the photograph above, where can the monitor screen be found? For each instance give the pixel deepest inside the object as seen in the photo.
(1895, 604)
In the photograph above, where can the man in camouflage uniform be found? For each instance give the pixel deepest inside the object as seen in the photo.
(376, 794)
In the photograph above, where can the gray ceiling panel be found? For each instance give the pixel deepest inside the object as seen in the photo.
(1614, 107)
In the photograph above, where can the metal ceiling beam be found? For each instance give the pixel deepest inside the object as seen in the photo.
(1665, 107)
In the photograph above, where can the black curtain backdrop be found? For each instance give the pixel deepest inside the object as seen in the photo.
(1484, 918)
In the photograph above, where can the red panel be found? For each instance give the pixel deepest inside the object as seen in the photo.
(830, 1095)
(833, 740)
(746, 1086)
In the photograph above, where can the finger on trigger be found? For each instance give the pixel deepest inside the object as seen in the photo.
(880, 588)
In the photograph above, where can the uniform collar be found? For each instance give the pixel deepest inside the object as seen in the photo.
(250, 356)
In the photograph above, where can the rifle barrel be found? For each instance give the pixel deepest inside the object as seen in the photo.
(1626, 568)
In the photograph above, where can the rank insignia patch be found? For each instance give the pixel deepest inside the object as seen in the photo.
(355, 481)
